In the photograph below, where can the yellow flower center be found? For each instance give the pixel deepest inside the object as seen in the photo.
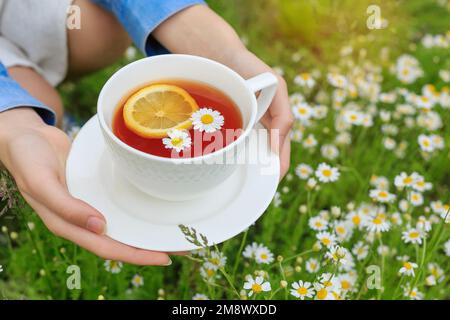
(426, 143)
(407, 265)
(302, 110)
(305, 76)
(210, 272)
(353, 117)
(326, 241)
(383, 194)
(340, 230)
(377, 221)
(318, 224)
(322, 294)
(264, 256)
(207, 119)
(356, 220)
(345, 285)
(177, 142)
(327, 172)
(414, 234)
(407, 180)
(256, 288)
(302, 291)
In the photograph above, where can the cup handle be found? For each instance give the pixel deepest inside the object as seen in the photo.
(266, 84)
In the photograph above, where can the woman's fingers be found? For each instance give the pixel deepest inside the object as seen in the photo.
(50, 192)
(285, 157)
(100, 245)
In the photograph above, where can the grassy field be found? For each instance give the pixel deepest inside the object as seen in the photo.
(364, 210)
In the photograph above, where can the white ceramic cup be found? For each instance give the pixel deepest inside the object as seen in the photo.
(179, 179)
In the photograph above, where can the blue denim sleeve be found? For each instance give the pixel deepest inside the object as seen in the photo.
(141, 17)
(13, 96)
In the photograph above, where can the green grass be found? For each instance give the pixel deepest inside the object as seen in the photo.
(35, 261)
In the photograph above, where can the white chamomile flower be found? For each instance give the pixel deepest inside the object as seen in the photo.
(346, 283)
(256, 286)
(310, 141)
(337, 80)
(329, 151)
(416, 198)
(178, 140)
(356, 219)
(360, 250)
(207, 120)
(413, 236)
(250, 250)
(304, 80)
(302, 111)
(413, 294)
(263, 256)
(381, 195)
(405, 180)
(208, 271)
(378, 223)
(408, 268)
(217, 259)
(327, 239)
(426, 143)
(312, 265)
(200, 296)
(113, 266)
(137, 281)
(318, 223)
(302, 290)
(1, 268)
(303, 171)
(326, 173)
(436, 272)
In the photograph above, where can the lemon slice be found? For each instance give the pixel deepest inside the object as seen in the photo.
(154, 111)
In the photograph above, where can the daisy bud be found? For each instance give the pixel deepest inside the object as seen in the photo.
(303, 209)
(289, 177)
(350, 206)
(62, 250)
(298, 269)
(299, 260)
(317, 246)
(14, 235)
(42, 273)
(100, 297)
(160, 298)
(283, 283)
(336, 211)
(33, 251)
(161, 292)
(4, 229)
(280, 258)
(285, 189)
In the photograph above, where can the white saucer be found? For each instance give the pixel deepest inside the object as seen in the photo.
(141, 221)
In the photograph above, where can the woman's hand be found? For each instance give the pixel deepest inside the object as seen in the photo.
(199, 31)
(35, 154)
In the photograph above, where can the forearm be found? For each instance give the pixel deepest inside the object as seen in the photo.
(200, 31)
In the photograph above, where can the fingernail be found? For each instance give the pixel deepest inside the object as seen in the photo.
(96, 225)
(169, 263)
